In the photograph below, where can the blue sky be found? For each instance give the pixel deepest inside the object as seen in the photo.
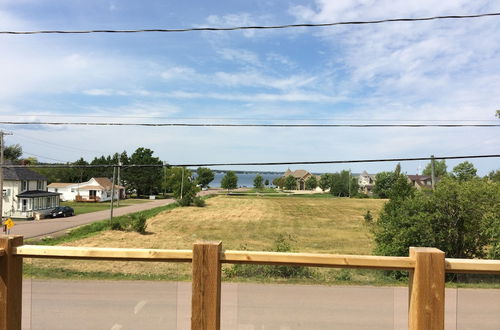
(418, 72)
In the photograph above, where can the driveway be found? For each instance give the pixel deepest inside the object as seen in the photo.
(58, 226)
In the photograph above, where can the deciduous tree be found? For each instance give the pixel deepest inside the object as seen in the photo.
(440, 169)
(229, 181)
(311, 183)
(464, 171)
(290, 183)
(258, 182)
(204, 176)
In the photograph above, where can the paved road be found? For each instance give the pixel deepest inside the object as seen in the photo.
(121, 305)
(46, 227)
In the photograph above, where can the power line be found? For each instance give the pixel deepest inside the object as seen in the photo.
(237, 125)
(254, 163)
(254, 27)
(246, 118)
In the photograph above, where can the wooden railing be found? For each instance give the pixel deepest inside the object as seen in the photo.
(427, 268)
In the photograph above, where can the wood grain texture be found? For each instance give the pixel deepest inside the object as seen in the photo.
(11, 283)
(426, 296)
(206, 297)
(70, 252)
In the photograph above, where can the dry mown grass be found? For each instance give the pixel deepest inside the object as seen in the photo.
(325, 225)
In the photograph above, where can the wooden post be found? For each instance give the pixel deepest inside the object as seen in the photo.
(426, 296)
(11, 284)
(205, 304)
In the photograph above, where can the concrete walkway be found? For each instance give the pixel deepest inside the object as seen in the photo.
(59, 226)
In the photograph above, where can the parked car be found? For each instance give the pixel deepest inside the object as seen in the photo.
(62, 211)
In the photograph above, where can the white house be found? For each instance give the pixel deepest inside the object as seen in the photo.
(96, 189)
(25, 194)
(366, 182)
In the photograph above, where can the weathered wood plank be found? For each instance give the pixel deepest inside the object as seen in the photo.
(11, 283)
(426, 296)
(206, 297)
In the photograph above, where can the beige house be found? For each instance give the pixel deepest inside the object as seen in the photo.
(300, 176)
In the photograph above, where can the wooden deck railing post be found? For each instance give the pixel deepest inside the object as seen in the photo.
(11, 284)
(206, 298)
(426, 296)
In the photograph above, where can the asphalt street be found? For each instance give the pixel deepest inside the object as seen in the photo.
(52, 227)
(120, 305)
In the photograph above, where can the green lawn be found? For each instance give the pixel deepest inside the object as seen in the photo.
(81, 208)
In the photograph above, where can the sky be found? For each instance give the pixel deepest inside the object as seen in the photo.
(433, 72)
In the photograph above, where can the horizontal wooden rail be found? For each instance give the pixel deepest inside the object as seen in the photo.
(480, 266)
(2, 252)
(70, 252)
(318, 260)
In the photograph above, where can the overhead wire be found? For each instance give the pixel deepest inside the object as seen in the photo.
(254, 27)
(253, 163)
(235, 125)
(246, 118)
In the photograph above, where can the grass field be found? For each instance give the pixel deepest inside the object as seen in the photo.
(81, 208)
(310, 224)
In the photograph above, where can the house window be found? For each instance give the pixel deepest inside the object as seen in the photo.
(56, 189)
(72, 190)
(24, 205)
(35, 204)
(39, 185)
(24, 185)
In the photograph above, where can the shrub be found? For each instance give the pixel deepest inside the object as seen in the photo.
(368, 217)
(139, 224)
(281, 244)
(199, 202)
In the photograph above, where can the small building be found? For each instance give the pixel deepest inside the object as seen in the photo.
(25, 194)
(366, 182)
(421, 181)
(94, 190)
(300, 176)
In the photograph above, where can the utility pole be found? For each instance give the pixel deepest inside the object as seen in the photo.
(118, 182)
(433, 173)
(2, 147)
(182, 181)
(112, 194)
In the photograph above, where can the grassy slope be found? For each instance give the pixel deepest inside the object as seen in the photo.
(326, 225)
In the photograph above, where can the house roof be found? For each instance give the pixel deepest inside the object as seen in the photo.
(37, 193)
(59, 184)
(298, 174)
(21, 173)
(90, 187)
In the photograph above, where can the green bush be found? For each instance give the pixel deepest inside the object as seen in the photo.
(281, 244)
(368, 217)
(139, 224)
(199, 202)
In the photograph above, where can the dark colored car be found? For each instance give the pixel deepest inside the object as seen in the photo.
(62, 211)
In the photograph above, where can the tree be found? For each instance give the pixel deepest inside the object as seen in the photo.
(325, 181)
(229, 181)
(494, 176)
(383, 184)
(144, 180)
(440, 169)
(311, 183)
(267, 182)
(457, 217)
(13, 152)
(290, 183)
(180, 182)
(464, 171)
(258, 182)
(204, 176)
(343, 184)
(279, 182)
